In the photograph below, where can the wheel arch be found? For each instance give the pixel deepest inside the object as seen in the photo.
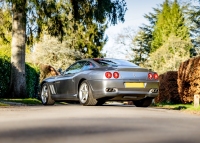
(79, 83)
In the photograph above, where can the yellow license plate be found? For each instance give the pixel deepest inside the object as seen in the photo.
(134, 85)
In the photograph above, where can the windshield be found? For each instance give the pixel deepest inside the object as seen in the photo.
(114, 62)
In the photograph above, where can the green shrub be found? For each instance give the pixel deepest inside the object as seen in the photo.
(32, 80)
(32, 77)
(4, 75)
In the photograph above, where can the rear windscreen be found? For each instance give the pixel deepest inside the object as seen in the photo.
(113, 62)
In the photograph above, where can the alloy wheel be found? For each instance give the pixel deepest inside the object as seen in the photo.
(83, 92)
(44, 94)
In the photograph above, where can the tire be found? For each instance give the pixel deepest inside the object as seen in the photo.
(46, 95)
(143, 102)
(85, 95)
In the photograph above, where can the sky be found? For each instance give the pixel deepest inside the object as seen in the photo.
(134, 18)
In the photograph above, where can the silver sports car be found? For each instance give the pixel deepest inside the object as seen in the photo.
(95, 81)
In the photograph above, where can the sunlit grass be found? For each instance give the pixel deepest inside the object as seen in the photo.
(3, 104)
(28, 101)
(177, 106)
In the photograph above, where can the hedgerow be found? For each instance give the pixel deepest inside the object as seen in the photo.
(4, 75)
(32, 77)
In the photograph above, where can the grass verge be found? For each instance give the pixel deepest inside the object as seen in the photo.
(26, 101)
(187, 107)
(3, 104)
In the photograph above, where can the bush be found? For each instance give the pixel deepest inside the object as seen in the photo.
(4, 75)
(189, 79)
(32, 78)
(168, 89)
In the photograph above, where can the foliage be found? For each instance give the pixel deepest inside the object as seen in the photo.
(193, 16)
(5, 32)
(4, 75)
(32, 17)
(169, 56)
(169, 21)
(52, 52)
(162, 27)
(142, 40)
(88, 41)
(93, 16)
(28, 101)
(55, 16)
(164, 42)
(5, 26)
(32, 79)
(99, 10)
(171, 106)
(3, 104)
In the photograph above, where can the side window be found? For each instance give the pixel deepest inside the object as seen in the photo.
(75, 67)
(88, 66)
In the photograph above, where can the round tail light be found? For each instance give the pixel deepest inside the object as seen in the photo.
(155, 76)
(116, 75)
(108, 74)
(150, 75)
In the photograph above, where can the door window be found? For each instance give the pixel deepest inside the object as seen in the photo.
(75, 68)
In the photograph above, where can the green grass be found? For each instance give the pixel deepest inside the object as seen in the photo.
(3, 104)
(189, 107)
(28, 101)
(33, 101)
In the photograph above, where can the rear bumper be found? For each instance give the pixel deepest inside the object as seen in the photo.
(121, 93)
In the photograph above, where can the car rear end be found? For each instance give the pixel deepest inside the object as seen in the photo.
(123, 83)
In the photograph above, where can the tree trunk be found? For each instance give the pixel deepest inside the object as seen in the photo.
(18, 78)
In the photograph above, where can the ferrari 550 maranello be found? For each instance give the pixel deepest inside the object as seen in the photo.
(95, 81)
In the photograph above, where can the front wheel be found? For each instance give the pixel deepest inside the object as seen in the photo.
(85, 95)
(143, 102)
(46, 95)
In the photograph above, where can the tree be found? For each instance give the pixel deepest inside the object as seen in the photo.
(88, 41)
(50, 51)
(142, 42)
(31, 17)
(161, 29)
(169, 56)
(193, 17)
(143, 39)
(5, 31)
(171, 43)
(170, 22)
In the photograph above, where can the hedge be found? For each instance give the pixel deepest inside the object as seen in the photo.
(32, 80)
(32, 77)
(4, 75)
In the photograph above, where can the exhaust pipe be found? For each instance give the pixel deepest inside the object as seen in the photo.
(153, 90)
(111, 90)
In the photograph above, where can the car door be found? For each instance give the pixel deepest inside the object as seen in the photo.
(65, 86)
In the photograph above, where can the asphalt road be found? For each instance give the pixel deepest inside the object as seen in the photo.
(97, 124)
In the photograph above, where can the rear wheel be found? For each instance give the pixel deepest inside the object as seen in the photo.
(143, 102)
(85, 95)
(46, 95)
